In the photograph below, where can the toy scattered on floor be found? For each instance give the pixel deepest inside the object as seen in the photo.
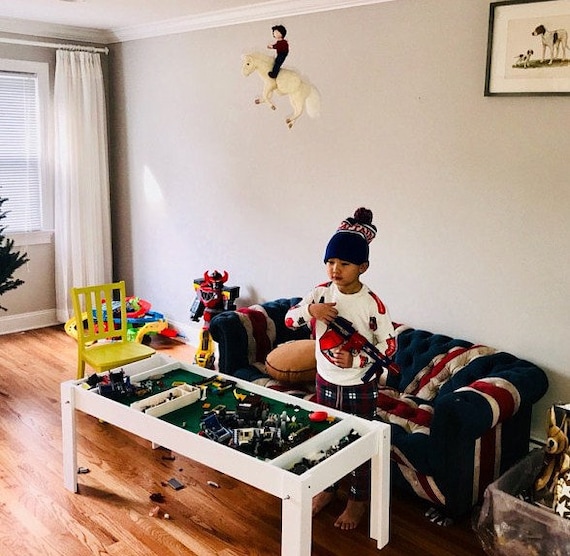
(175, 483)
(212, 298)
(156, 512)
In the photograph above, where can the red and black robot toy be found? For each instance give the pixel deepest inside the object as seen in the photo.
(212, 297)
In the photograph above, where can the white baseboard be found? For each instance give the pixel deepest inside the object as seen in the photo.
(27, 321)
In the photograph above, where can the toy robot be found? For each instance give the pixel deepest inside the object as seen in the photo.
(212, 298)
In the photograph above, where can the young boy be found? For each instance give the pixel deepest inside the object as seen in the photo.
(281, 47)
(342, 379)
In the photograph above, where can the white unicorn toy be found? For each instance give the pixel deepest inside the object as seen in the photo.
(288, 82)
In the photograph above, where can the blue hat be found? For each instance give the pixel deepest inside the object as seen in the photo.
(350, 242)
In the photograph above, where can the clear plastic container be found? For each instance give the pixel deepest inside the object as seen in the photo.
(508, 525)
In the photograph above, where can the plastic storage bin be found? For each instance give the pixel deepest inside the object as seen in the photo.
(507, 525)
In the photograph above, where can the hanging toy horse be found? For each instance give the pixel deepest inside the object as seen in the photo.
(288, 82)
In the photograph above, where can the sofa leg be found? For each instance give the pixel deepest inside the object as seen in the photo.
(437, 516)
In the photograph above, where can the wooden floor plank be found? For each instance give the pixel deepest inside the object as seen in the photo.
(110, 514)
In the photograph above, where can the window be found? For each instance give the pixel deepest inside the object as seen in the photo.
(23, 176)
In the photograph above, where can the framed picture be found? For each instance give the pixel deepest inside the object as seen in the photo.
(528, 50)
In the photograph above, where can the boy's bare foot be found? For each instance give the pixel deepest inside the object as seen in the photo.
(352, 515)
(321, 500)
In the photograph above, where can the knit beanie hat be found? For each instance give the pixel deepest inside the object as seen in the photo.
(350, 242)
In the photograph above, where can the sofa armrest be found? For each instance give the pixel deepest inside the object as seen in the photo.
(229, 333)
(473, 409)
(247, 335)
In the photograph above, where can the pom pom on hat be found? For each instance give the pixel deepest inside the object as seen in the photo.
(350, 242)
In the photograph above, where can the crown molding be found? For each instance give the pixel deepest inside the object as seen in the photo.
(222, 18)
(245, 14)
(52, 31)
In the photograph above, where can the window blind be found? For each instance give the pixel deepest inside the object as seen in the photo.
(20, 145)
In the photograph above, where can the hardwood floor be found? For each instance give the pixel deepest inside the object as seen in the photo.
(110, 515)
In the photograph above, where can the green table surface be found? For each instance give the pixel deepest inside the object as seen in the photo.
(190, 416)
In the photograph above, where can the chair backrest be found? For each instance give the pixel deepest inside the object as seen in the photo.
(100, 312)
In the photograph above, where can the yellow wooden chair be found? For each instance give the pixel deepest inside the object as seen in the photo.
(102, 340)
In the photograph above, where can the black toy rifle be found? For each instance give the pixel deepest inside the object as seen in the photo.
(353, 340)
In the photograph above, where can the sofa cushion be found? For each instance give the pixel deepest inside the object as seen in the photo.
(247, 335)
(292, 362)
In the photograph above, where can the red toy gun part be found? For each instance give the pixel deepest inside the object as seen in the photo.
(354, 341)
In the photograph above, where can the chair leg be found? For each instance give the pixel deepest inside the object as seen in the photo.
(80, 369)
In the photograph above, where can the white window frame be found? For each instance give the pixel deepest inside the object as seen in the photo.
(41, 69)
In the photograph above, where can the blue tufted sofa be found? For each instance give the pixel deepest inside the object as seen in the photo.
(460, 413)
(246, 336)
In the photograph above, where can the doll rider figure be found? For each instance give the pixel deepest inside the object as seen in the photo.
(282, 48)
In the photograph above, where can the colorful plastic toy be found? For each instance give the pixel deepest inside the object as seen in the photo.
(141, 322)
(212, 297)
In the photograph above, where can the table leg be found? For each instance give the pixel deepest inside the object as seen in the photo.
(297, 521)
(380, 491)
(69, 442)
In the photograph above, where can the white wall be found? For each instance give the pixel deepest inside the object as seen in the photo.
(470, 193)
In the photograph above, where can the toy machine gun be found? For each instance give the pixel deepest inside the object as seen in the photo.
(351, 339)
(212, 298)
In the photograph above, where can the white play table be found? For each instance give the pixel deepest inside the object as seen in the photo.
(295, 491)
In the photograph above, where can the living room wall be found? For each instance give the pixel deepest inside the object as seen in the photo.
(470, 193)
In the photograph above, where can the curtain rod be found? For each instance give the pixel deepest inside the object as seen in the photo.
(76, 47)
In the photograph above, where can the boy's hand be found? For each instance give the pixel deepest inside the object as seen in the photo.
(342, 358)
(325, 312)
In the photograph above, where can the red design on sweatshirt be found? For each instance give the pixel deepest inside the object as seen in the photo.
(379, 304)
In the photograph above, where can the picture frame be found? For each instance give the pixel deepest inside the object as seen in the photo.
(528, 48)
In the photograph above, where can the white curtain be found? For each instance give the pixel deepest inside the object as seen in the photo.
(82, 205)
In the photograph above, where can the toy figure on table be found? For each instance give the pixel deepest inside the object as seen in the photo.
(212, 297)
(281, 47)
